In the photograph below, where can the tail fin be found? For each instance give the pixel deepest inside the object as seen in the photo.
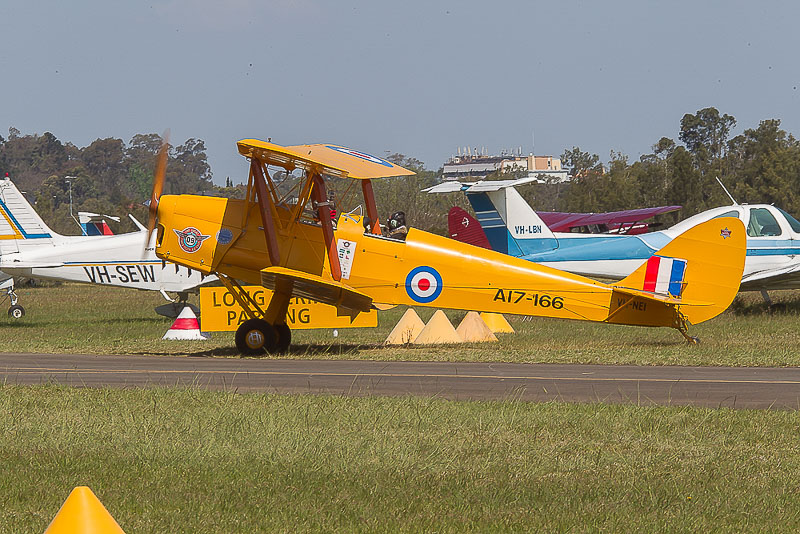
(699, 272)
(511, 225)
(465, 228)
(95, 223)
(19, 222)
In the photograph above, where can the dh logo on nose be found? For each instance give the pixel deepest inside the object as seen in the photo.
(190, 239)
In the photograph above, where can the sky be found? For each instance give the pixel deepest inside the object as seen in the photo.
(417, 77)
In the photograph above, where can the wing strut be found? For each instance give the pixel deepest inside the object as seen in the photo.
(372, 209)
(320, 197)
(266, 213)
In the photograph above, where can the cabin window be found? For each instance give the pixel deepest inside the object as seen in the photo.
(794, 223)
(732, 213)
(762, 223)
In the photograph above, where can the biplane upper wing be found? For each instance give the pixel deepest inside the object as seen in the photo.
(331, 160)
(315, 287)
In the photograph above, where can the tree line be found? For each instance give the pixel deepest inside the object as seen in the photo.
(109, 176)
(761, 165)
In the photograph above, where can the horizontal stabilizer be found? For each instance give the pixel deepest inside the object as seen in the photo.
(666, 299)
(478, 187)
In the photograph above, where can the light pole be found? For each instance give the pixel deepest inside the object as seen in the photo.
(69, 183)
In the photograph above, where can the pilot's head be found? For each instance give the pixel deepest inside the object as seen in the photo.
(397, 220)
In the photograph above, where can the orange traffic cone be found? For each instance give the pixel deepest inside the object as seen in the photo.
(186, 326)
(83, 513)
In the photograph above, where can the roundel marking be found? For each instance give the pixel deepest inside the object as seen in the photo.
(424, 284)
(224, 236)
(190, 239)
(362, 155)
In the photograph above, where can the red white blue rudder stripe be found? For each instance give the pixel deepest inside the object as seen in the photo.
(664, 275)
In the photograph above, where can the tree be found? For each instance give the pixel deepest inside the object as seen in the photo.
(766, 161)
(104, 159)
(705, 135)
(581, 163)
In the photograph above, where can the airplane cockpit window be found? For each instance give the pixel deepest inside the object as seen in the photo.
(732, 213)
(762, 223)
(794, 223)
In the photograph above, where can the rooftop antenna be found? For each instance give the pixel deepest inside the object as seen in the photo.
(726, 191)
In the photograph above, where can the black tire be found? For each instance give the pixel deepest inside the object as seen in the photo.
(284, 338)
(255, 337)
(16, 311)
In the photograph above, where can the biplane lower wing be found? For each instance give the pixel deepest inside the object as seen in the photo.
(315, 287)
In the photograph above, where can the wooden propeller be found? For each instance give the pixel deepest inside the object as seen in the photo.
(158, 185)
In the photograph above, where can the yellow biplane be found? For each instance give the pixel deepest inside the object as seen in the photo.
(288, 243)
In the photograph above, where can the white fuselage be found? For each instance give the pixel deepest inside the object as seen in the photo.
(116, 260)
(773, 249)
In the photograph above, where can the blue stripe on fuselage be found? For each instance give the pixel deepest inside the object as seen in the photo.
(594, 248)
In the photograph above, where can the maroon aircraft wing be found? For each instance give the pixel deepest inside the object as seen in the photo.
(624, 222)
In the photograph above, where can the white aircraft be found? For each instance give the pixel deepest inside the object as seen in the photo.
(513, 227)
(28, 248)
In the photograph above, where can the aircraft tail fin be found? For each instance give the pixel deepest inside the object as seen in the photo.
(19, 222)
(465, 228)
(510, 224)
(698, 273)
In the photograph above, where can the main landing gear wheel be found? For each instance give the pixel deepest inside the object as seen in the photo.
(16, 311)
(284, 338)
(255, 337)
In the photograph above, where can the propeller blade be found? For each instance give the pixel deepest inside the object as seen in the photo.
(158, 186)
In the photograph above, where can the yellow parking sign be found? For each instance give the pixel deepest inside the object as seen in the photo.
(220, 312)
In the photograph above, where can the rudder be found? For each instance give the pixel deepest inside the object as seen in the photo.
(19, 221)
(703, 265)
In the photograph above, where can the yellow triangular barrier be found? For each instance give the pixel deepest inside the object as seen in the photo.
(407, 329)
(438, 330)
(497, 323)
(472, 329)
(83, 513)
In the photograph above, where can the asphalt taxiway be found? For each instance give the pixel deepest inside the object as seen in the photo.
(733, 387)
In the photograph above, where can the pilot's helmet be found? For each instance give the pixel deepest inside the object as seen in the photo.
(397, 220)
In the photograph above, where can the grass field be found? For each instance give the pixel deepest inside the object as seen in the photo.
(195, 461)
(186, 460)
(96, 319)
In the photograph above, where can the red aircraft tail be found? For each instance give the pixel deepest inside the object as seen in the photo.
(465, 228)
